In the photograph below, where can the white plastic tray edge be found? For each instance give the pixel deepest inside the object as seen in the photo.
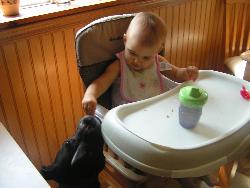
(203, 73)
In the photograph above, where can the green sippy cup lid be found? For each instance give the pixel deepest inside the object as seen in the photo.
(191, 96)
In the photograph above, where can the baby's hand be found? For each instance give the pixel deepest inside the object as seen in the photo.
(190, 73)
(89, 104)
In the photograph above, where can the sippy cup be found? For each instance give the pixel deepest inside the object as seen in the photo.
(191, 100)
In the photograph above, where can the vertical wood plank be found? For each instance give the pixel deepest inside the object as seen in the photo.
(3, 117)
(26, 121)
(219, 34)
(41, 105)
(186, 31)
(239, 29)
(196, 32)
(175, 27)
(246, 38)
(181, 26)
(8, 97)
(198, 59)
(228, 25)
(58, 123)
(24, 102)
(191, 32)
(204, 55)
(63, 75)
(169, 23)
(218, 54)
(210, 37)
(74, 77)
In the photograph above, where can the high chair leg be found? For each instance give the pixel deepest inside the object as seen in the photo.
(122, 167)
(226, 173)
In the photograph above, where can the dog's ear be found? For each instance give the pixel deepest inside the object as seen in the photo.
(79, 154)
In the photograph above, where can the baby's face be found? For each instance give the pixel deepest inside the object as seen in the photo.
(139, 57)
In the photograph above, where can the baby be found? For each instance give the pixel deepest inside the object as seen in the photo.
(138, 71)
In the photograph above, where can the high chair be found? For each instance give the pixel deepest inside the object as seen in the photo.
(144, 137)
(96, 46)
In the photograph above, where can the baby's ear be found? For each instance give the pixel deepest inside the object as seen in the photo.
(161, 49)
(124, 37)
(162, 46)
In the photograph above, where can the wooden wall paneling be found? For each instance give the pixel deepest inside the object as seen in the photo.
(181, 25)
(8, 99)
(41, 113)
(240, 8)
(191, 32)
(231, 18)
(228, 25)
(21, 86)
(234, 29)
(163, 15)
(168, 44)
(196, 33)
(245, 29)
(247, 26)
(186, 26)
(51, 109)
(237, 27)
(174, 28)
(219, 53)
(213, 48)
(3, 118)
(210, 40)
(74, 78)
(57, 125)
(198, 56)
(27, 107)
(205, 38)
(63, 78)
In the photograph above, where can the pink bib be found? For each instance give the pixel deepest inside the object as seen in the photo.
(136, 85)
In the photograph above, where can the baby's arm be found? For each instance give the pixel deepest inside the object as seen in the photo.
(180, 74)
(99, 86)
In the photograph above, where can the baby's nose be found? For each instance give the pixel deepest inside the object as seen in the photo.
(136, 61)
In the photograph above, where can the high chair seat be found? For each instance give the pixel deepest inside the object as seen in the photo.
(147, 134)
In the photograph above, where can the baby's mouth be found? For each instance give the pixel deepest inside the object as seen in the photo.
(135, 68)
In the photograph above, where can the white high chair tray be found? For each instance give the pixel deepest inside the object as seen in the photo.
(156, 119)
(147, 133)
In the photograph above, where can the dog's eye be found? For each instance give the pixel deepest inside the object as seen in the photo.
(67, 142)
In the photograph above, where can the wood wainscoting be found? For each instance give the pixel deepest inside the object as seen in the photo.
(237, 27)
(40, 88)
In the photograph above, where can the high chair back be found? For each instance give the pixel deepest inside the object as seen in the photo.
(96, 46)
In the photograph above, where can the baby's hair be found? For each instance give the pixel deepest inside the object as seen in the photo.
(151, 25)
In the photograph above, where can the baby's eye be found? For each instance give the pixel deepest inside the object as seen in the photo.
(132, 53)
(146, 57)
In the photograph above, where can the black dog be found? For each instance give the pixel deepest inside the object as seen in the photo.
(80, 159)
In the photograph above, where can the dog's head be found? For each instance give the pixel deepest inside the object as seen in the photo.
(90, 138)
(80, 158)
